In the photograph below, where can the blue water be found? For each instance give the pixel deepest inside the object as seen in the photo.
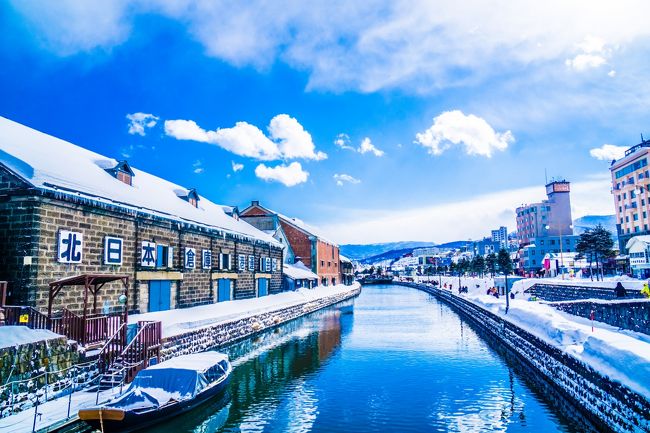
(394, 360)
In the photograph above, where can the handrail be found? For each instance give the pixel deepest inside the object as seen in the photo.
(113, 348)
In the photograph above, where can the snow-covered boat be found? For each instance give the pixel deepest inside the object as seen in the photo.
(163, 390)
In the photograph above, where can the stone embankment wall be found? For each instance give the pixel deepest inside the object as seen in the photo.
(608, 404)
(633, 315)
(229, 332)
(565, 292)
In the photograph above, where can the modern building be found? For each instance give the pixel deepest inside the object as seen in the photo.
(630, 182)
(500, 236)
(302, 242)
(532, 255)
(551, 217)
(638, 248)
(66, 211)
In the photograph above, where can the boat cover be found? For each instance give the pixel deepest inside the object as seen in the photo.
(177, 379)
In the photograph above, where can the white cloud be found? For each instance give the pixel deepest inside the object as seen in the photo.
(367, 146)
(593, 54)
(608, 152)
(472, 132)
(473, 217)
(417, 44)
(237, 166)
(288, 139)
(612, 73)
(343, 141)
(139, 122)
(292, 139)
(198, 169)
(582, 62)
(288, 175)
(342, 178)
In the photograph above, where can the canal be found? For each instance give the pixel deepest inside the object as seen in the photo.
(394, 359)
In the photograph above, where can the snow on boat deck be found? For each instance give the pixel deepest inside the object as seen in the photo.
(179, 321)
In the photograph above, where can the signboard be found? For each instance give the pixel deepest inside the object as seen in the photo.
(274, 266)
(251, 263)
(70, 246)
(190, 258)
(112, 250)
(206, 260)
(242, 262)
(267, 266)
(148, 254)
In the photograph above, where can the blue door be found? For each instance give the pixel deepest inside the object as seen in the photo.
(262, 287)
(223, 290)
(159, 295)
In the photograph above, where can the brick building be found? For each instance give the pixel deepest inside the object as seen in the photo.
(67, 211)
(302, 242)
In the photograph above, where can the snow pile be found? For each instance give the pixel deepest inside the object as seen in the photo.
(18, 335)
(179, 321)
(610, 282)
(622, 355)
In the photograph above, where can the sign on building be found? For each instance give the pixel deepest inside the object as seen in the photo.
(267, 264)
(190, 258)
(207, 259)
(148, 254)
(251, 263)
(274, 265)
(242, 262)
(112, 250)
(70, 247)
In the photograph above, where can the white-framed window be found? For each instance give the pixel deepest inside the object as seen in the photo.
(225, 261)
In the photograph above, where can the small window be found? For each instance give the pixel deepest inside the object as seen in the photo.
(162, 256)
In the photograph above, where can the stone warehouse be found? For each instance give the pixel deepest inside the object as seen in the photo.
(66, 211)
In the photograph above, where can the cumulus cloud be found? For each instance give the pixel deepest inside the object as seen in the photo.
(593, 53)
(367, 146)
(454, 128)
(343, 141)
(139, 122)
(288, 175)
(288, 139)
(198, 169)
(237, 166)
(608, 152)
(342, 178)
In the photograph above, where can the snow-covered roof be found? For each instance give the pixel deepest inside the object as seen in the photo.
(298, 271)
(344, 259)
(633, 240)
(195, 361)
(55, 165)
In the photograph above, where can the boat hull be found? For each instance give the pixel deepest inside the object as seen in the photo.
(131, 421)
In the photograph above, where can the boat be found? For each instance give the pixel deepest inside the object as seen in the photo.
(161, 391)
(376, 279)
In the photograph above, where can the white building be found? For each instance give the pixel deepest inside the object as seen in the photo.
(638, 249)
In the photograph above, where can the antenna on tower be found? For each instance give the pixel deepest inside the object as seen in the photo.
(545, 177)
(642, 140)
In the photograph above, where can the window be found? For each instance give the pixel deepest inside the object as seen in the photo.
(645, 214)
(642, 202)
(620, 209)
(635, 217)
(630, 168)
(624, 195)
(552, 241)
(618, 197)
(322, 263)
(163, 256)
(621, 220)
(193, 201)
(329, 264)
(627, 218)
(632, 194)
(636, 229)
(225, 262)
(124, 177)
(541, 242)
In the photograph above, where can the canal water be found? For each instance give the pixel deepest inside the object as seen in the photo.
(392, 360)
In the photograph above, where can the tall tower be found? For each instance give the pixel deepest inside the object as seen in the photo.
(557, 209)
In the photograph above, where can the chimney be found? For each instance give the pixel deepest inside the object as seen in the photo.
(255, 203)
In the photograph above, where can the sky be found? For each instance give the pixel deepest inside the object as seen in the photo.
(376, 121)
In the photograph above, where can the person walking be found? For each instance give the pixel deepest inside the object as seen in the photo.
(620, 290)
(645, 291)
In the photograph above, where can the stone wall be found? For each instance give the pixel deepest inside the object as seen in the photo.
(561, 292)
(229, 332)
(608, 404)
(633, 315)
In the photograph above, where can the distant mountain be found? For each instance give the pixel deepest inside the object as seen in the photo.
(360, 252)
(580, 225)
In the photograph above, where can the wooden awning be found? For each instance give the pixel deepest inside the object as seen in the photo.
(92, 282)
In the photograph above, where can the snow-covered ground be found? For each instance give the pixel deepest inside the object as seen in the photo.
(178, 321)
(622, 355)
(17, 335)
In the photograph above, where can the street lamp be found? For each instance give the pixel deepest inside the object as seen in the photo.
(548, 227)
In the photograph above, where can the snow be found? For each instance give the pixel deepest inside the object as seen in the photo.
(18, 335)
(609, 282)
(55, 165)
(195, 361)
(179, 321)
(622, 355)
(299, 271)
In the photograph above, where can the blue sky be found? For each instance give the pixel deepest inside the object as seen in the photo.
(448, 124)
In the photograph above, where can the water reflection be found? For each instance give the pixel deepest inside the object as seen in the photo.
(396, 361)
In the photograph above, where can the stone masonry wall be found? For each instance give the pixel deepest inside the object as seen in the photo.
(229, 332)
(632, 315)
(559, 292)
(610, 405)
